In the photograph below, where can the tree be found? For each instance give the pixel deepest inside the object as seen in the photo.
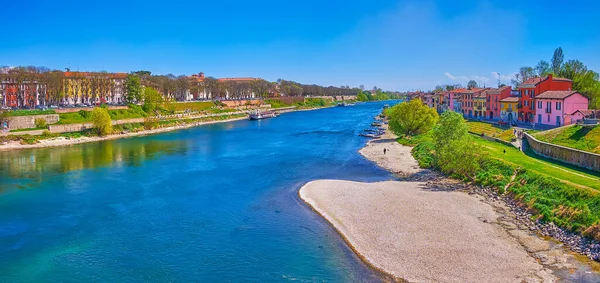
(411, 118)
(455, 151)
(361, 96)
(557, 60)
(524, 74)
(152, 99)
(133, 88)
(543, 68)
(471, 84)
(102, 123)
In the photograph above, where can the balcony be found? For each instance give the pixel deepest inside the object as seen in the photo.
(479, 108)
(519, 105)
(548, 110)
(509, 110)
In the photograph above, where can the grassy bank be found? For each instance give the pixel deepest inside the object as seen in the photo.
(491, 130)
(117, 129)
(576, 136)
(552, 191)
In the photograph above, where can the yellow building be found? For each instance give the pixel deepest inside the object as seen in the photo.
(508, 109)
(479, 104)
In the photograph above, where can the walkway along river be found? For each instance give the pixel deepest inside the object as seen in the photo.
(213, 203)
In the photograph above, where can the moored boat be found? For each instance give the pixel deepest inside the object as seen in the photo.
(259, 115)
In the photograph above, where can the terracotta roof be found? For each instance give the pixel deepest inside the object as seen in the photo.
(474, 90)
(497, 90)
(510, 99)
(537, 80)
(555, 94)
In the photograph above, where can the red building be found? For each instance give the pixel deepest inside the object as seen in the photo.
(493, 98)
(535, 86)
(467, 100)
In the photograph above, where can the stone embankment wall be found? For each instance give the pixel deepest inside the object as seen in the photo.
(236, 103)
(84, 126)
(77, 109)
(25, 122)
(572, 156)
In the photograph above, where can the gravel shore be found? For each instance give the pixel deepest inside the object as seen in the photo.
(428, 228)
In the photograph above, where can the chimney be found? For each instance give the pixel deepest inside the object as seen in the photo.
(550, 77)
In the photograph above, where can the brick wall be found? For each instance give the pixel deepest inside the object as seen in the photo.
(24, 122)
(572, 156)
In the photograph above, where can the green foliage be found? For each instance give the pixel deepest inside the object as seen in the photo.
(29, 112)
(150, 123)
(361, 96)
(411, 118)
(454, 149)
(102, 122)
(152, 99)
(557, 60)
(85, 114)
(133, 88)
(576, 136)
(40, 123)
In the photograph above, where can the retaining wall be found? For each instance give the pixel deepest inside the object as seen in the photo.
(572, 156)
(25, 122)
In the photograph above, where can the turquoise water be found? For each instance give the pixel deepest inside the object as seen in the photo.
(213, 203)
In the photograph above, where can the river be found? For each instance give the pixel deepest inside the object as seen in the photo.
(213, 203)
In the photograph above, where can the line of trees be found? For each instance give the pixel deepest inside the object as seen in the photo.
(586, 81)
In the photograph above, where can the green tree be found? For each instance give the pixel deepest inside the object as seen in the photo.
(152, 99)
(101, 121)
(543, 68)
(557, 60)
(40, 123)
(411, 118)
(471, 84)
(455, 151)
(361, 96)
(133, 88)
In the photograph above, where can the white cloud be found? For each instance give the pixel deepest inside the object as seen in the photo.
(503, 78)
(479, 79)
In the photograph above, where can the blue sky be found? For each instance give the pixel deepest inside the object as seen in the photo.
(395, 45)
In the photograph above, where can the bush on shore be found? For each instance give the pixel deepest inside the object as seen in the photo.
(102, 123)
(411, 118)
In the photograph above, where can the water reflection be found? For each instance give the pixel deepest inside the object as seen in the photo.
(22, 169)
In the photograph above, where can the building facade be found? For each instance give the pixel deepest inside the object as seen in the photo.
(557, 108)
(509, 110)
(493, 98)
(535, 86)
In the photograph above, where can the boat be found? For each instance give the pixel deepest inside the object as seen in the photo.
(259, 115)
(370, 135)
(344, 104)
(376, 124)
(386, 106)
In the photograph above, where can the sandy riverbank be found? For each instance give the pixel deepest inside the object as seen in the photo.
(438, 230)
(423, 236)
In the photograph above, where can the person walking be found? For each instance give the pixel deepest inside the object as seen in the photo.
(384, 151)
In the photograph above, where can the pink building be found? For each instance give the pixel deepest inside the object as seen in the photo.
(559, 107)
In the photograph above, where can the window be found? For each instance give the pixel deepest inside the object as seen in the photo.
(532, 93)
(548, 118)
(526, 92)
(549, 106)
(539, 105)
(558, 105)
(526, 103)
(501, 105)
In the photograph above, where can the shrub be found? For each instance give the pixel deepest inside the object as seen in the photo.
(150, 123)
(411, 118)
(84, 114)
(40, 123)
(102, 122)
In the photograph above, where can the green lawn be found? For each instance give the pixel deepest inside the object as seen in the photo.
(490, 130)
(566, 173)
(25, 112)
(84, 116)
(578, 137)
